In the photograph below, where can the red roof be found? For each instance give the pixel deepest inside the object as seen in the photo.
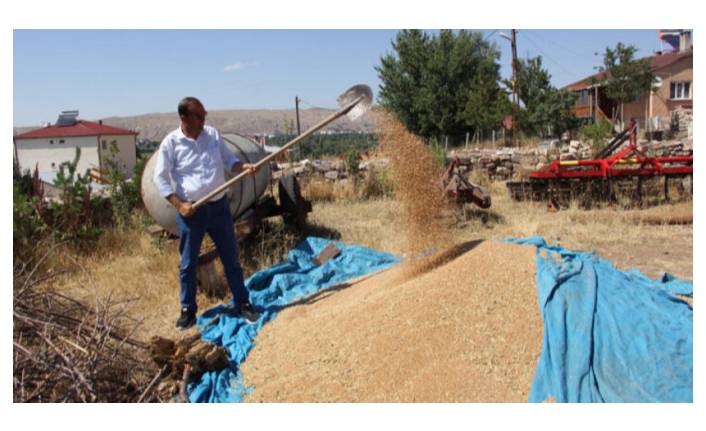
(81, 128)
(656, 62)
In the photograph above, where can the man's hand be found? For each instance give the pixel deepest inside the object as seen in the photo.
(249, 168)
(184, 208)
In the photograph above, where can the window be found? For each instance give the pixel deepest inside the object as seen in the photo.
(61, 141)
(680, 90)
(583, 97)
(51, 142)
(104, 144)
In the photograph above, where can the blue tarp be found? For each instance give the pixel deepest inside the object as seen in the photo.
(271, 290)
(609, 335)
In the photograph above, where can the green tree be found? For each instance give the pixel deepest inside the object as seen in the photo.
(73, 217)
(445, 84)
(351, 161)
(624, 79)
(124, 193)
(546, 110)
(596, 133)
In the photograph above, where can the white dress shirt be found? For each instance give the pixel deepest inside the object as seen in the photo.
(196, 166)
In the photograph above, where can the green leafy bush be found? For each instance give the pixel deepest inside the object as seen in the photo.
(124, 192)
(596, 133)
(75, 216)
(351, 160)
(377, 183)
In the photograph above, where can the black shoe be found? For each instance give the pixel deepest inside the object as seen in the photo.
(231, 310)
(187, 319)
(249, 313)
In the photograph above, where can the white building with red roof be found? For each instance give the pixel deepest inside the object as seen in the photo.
(52, 145)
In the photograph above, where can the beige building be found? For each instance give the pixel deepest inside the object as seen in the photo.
(656, 110)
(52, 145)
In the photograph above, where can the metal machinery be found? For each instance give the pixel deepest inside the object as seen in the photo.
(460, 191)
(613, 172)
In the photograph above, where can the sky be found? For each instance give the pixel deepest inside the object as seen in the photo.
(105, 73)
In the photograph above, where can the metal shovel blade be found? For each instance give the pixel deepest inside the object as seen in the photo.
(359, 92)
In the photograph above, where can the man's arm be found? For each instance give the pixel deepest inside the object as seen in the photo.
(230, 160)
(163, 179)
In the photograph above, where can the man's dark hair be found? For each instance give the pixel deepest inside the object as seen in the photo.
(183, 107)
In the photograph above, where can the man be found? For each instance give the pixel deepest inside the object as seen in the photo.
(194, 156)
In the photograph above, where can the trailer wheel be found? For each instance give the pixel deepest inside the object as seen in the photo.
(294, 207)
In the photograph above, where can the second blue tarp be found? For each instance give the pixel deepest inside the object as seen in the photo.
(610, 335)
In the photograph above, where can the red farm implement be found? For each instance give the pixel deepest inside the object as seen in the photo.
(613, 174)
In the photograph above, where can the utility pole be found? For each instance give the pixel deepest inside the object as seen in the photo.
(299, 130)
(515, 96)
(296, 104)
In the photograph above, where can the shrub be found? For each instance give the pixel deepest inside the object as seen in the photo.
(76, 216)
(124, 193)
(596, 134)
(351, 161)
(438, 154)
(376, 183)
(28, 227)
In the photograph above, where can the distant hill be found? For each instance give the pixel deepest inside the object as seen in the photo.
(244, 121)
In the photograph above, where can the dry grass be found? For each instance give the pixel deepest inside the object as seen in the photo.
(321, 190)
(612, 232)
(131, 264)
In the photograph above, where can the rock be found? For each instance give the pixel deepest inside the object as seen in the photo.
(331, 175)
(503, 172)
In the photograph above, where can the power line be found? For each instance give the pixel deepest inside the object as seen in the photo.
(491, 33)
(570, 51)
(561, 66)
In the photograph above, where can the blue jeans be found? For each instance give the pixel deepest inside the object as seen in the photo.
(215, 219)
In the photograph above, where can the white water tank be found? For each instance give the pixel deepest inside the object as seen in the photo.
(242, 195)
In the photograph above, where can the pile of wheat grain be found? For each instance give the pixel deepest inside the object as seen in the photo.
(466, 328)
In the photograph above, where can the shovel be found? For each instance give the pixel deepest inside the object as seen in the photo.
(354, 103)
